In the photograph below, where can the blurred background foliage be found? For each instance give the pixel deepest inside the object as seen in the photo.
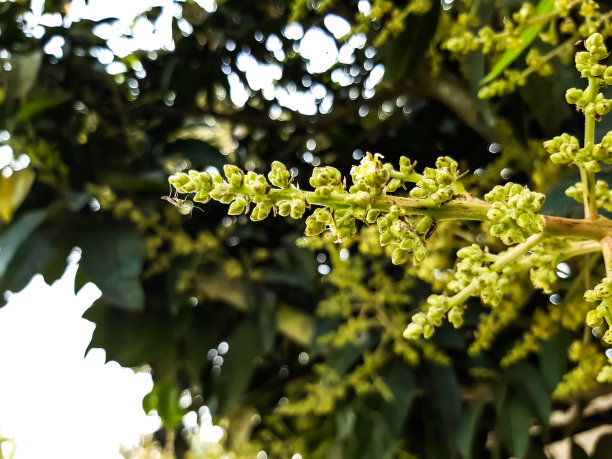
(294, 348)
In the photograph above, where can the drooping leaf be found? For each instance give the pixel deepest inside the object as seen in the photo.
(238, 366)
(445, 397)
(527, 379)
(112, 258)
(513, 424)
(467, 428)
(164, 398)
(34, 106)
(16, 234)
(403, 55)
(553, 359)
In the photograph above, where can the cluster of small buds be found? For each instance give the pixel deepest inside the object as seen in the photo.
(536, 62)
(603, 194)
(394, 228)
(565, 149)
(405, 174)
(503, 86)
(583, 377)
(605, 375)
(475, 264)
(240, 190)
(590, 101)
(340, 209)
(371, 175)
(599, 107)
(425, 323)
(544, 260)
(340, 223)
(514, 209)
(601, 316)
(587, 62)
(439, 184)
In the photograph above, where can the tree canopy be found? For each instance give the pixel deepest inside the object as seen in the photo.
(298, 348)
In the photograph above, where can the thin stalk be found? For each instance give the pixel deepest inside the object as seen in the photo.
(588, 178)
(606, 249)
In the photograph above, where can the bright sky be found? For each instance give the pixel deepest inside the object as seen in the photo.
(319, 46)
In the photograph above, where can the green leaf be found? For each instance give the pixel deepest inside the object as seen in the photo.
(381, 432)
(513, 424)
(16, 234)
(527, 37)
(467, 427)
(245, 346)
(36, 105)
(200, 153)
(545, 99)
(22, 76)
(112, 259)
(553, 358)
(526, 378)
(444, 391)
(403, 55)
(164, 398)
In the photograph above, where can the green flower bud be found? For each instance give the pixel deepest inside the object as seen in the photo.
(313, 226)
(393, 185)
(222, 193)
(325, 176)
(233, 174)
(608, 76)
(284, 208)
(298, 207)
(602, 107)
(372, 216)
(595, 46)
(573, 95)
(178, 181)
(260, 211)
(455, 316)
(238, 206)
(400, 256)
(413, 331)
(594, 318)
(591, 296)
(279, 175)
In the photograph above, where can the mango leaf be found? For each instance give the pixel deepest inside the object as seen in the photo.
(164, 398)
(36, 105)
(200, 153)
(24, 70)
(404, 53)
(553, 358)
(526, 378)
(513, 424)
(447, 406)
(380, 433)
(112, 259)
(467, 428)
(16, 234)
(528, 35)
(245, 346)
(13, 190)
